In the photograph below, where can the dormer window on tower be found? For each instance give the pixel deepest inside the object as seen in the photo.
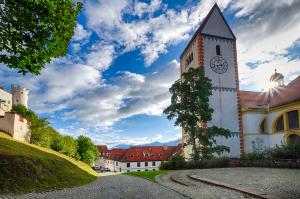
(218, 50)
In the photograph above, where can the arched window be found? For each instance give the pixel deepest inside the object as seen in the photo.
(293, 119)
(218, 50)
(279, 125)
(293, 139)
(263, 126)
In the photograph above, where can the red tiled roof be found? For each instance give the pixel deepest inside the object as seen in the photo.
(143, 153)
(280, 96)
(102, 148)
(290, 93)
(116, 154)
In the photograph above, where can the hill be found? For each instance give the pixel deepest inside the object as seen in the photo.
(29, 168)
(170, 143)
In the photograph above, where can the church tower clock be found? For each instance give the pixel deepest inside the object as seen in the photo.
(213, 47)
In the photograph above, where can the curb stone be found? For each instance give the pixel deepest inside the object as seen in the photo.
(234, 188)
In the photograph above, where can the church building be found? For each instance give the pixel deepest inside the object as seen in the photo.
(257, 120)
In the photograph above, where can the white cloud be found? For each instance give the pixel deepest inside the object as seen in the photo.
(128, 94)
(152, 35)
(264, 39)
(101, 56)
(81, 33)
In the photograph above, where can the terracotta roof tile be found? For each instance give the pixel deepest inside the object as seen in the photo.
(102, 148)
(143, 153)
(280, 96)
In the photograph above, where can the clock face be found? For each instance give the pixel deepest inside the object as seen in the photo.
(218, 64)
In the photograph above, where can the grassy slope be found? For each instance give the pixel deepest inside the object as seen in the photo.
(29, 168)
(149, 175)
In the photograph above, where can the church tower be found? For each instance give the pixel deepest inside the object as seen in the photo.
(213, 47)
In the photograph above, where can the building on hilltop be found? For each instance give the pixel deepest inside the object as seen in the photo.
(10, 122)
(257, 120)
(138, 158)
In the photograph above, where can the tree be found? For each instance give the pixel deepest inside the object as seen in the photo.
(66, 145)
(87, 151)
(190, 109)
(38, 126)
(34, 31)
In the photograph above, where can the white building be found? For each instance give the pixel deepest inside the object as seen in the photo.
(213, 47)
(10, 122)
(138, 158)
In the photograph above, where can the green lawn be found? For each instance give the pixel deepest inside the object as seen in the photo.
(29, 168)
(149, 175)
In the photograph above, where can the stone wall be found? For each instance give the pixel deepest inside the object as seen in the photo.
(282, 163)
(16, 126)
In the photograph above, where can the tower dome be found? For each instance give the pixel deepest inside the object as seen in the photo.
(277, 79)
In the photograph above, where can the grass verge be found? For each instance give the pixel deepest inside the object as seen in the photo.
(149, 175)
(30, 168)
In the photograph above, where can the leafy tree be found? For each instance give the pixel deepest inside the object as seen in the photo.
(190, 109)
(66, 145)
(34, 31)
(87, 151)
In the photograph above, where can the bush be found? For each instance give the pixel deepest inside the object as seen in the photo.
(66, 145)
(87, 151)
(200, 164)
(285, 151)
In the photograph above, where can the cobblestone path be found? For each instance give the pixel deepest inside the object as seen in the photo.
(114, 186)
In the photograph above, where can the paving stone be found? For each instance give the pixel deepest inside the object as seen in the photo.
(114, 186)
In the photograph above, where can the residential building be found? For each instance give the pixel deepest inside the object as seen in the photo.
(139, 158)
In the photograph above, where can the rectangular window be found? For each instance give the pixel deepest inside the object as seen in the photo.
(146, 164)
(153, 163)
(117, 163)
(138, 164)
(146, 169)
(293, 119)
(153, 169)
(128, 164)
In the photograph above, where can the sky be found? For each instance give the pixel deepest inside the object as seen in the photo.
(113, 84)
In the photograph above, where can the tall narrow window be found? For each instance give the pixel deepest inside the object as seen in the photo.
(218, 50)
(280, 124)
(293, 118)
(263, 126)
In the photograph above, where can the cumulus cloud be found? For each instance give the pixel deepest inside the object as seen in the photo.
(152, 35)
(264, 38)
(81, 33)
(127, 95)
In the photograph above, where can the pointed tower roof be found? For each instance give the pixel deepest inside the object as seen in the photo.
(214, 24)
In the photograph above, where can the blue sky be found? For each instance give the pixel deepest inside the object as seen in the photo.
(113, 84)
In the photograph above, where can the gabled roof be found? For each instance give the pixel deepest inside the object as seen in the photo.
(102, 148)
(116, 154)
(204, 22)
(143, 153)
(278, 97)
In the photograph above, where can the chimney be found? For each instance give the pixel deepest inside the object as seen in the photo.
(165, 147)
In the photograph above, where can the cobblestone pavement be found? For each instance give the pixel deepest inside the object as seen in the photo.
(195, 189)
(113, 186)
(283, 183)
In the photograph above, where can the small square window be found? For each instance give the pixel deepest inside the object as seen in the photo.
(153, 163)
(138, 164)
(128, 164)
(146, 164)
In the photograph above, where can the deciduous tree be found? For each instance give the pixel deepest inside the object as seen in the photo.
(32, 32)
(190, 109)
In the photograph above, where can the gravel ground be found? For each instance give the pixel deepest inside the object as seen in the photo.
(195, 189)
(114, 186)
(283, 183)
